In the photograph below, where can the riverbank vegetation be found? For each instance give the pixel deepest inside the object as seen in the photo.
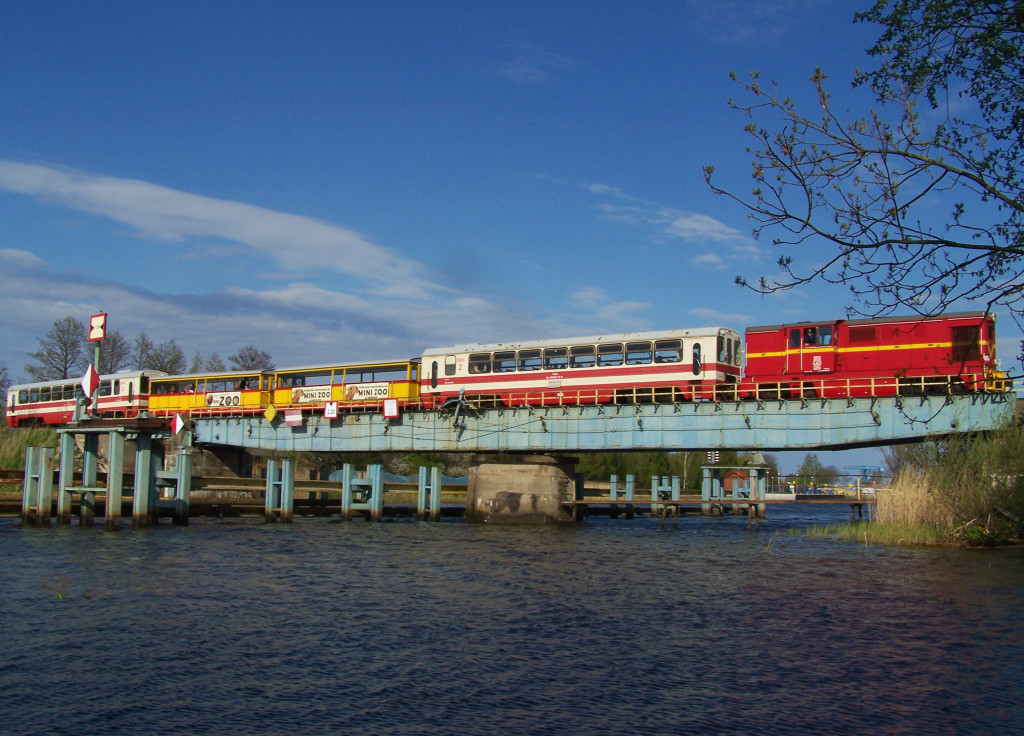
(965, 490)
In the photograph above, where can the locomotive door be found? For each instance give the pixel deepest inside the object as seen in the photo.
(811, 350)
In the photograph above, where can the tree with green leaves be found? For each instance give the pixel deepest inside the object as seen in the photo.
(916, 211)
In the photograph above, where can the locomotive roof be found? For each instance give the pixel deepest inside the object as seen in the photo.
(587, 340)
(875, 320)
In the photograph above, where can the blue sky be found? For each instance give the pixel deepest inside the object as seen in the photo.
(340, 181)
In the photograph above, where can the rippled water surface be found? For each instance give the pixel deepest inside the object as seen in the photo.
(612, 627)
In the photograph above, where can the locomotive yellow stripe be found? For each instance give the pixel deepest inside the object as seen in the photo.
(865, 349)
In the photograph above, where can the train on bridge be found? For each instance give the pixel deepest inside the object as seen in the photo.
(883, 357)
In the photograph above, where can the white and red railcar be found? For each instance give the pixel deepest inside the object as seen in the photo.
(121, 396)
(885, 356)
(639, 367)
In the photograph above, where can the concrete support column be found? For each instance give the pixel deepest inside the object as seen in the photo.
(521, 489)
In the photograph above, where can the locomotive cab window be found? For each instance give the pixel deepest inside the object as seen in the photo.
(668, 351)
(480, 363)
(794, 338)
(825, 335)
(556, 359)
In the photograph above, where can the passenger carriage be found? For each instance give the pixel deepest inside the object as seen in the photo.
(353, 386)
(640, 367)
(211, 394)
(121, 396)
(949, 353)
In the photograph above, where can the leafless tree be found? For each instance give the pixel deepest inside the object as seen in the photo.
(902, 213)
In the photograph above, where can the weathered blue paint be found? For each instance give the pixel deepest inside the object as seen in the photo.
(768, 425)
(279, 499)
(37, 488)
(115, 482)
(712, 489)
(428, 496)
(362, 494)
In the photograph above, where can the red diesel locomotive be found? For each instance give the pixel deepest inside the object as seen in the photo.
(885, 356)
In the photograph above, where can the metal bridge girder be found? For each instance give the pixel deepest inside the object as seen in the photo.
(766, 425)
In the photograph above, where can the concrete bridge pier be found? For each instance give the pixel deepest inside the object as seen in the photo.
(521, 489)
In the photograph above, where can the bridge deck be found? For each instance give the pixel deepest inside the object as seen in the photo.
(742, 425)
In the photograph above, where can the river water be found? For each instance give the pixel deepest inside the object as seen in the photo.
(609, 627)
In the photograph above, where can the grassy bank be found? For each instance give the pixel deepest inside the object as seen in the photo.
(970, 492)
(14, 443)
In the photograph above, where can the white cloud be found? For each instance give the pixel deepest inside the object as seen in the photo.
(532, 65)
(669, 223)
(713, 316)
(157, 212)
(21, 258)
(609, 315)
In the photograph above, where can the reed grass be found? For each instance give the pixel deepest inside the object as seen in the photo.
(972, 492)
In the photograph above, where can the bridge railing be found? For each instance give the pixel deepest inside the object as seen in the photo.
(823, 387)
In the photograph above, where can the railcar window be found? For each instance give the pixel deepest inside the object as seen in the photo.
(736, 352)
(33, 395)
(117, 387)
(668, 351)
(608, 355)
(449, 365)
(723, 350)
(44, 394)
(433, 374)
(69, 392)
(697, 368)
(529, 360)
(22, 396)
(399, 374)
(556, 359)
(480, 363)
(505, 362)
(582, 356)
(104, 388)
(638, 353)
